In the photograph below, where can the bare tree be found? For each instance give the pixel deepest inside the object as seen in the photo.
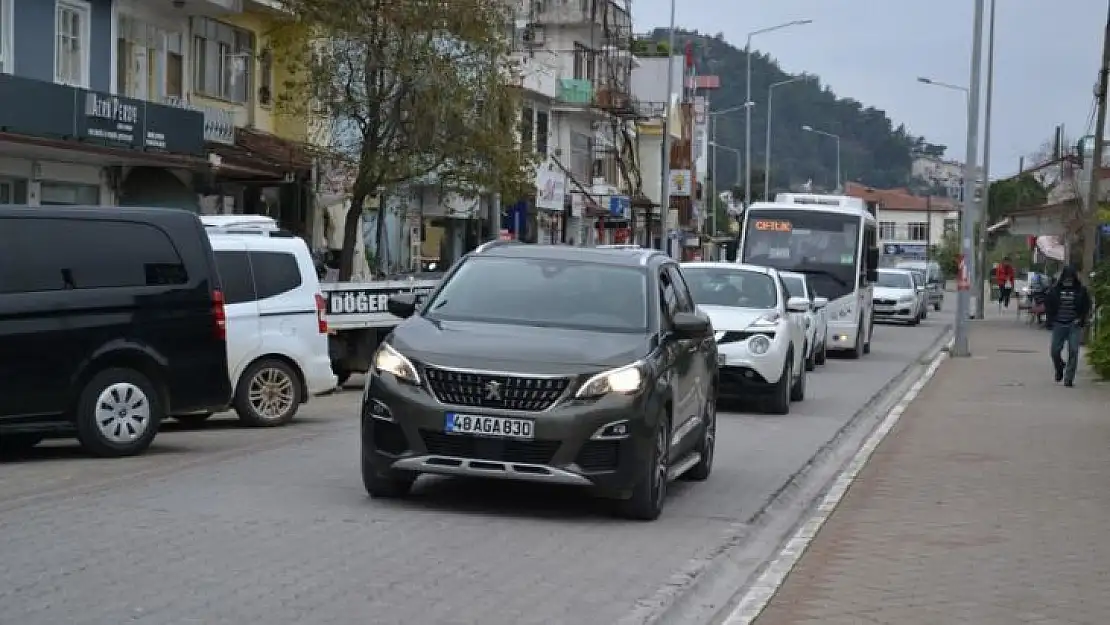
(406, 91)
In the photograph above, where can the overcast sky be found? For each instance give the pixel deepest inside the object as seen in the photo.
(1046, 59)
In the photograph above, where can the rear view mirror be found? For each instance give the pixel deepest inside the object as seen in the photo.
(692, 325)
(402, 305)
(820, 302)
(797, 304)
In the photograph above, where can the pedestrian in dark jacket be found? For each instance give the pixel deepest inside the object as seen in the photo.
(1067, 305)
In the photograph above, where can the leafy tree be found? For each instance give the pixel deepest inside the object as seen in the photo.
(1023, 191)
(405, 91)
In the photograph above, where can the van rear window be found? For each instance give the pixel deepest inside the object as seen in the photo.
(38, 254)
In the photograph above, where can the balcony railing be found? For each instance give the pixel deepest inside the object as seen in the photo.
(219, 124)
(602, 94)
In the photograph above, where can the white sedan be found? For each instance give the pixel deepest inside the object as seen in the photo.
(896, 297)
(760, 344)
(816, 318)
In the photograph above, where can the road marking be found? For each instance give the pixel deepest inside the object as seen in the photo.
(757, 597)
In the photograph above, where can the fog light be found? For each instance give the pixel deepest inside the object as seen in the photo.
(611, 431)
(377, 410)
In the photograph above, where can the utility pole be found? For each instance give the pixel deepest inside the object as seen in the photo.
(928, 231)
(1090, 229)
(983, 278)
(961, 346)
(665, 183)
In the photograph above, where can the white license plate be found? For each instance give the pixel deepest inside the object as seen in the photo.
(721, 360)
(482, 425)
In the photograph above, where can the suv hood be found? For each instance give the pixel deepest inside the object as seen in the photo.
(726, 318)
(532, 349)
(887, 292)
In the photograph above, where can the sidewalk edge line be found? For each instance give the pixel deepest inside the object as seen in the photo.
(759, 595)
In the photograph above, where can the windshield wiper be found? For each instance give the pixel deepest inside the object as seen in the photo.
(823, 272)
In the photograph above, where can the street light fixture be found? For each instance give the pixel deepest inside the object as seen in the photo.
(767, 147)
(748, 100)
(839, 184)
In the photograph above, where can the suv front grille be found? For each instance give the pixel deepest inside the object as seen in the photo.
(885, 302)
(487, 390)
(493, 449)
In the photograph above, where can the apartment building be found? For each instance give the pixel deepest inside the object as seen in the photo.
(908, 223)
(137, 102)
(575, 63)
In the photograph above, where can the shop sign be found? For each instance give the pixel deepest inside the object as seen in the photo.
(680, 183)
(620, 206)
(551, 188)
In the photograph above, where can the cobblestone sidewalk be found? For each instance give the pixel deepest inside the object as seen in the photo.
(988, 503)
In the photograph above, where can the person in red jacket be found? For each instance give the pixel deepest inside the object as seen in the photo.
(1004, 276)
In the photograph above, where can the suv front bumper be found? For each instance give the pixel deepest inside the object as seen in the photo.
(403, 430)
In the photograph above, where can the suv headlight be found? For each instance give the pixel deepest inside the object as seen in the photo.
(390, 360)
(906, 299)
(759, 344)
(625, 380)
(766, 321)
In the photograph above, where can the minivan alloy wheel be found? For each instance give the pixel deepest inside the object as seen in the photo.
(271, 393)
(122, 412)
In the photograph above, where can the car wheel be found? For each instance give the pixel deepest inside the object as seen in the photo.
(937, 306)
(268, 394)
(798, 388)
(11, 444)
(118, 413)
(811, 360)
(779, 402)
(823, 354)
(857, 348)
(390, 485)
(867, 342)
(646, 502)
(700, 471)
(924, 313)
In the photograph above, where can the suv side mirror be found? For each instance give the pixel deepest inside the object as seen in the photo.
(820, 302)
(797, 304)
(691, 325)
(402, 305)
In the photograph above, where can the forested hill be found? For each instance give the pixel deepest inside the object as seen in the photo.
(873, 150)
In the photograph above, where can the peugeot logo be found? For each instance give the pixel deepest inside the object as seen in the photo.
(493, 390)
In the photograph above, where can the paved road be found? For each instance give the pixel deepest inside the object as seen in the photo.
(226, 526)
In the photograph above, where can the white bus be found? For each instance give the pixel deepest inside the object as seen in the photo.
(831, 238)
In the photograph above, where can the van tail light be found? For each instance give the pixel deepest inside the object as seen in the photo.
(219, 314)
(321, 314)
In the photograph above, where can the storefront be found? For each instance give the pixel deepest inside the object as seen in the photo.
(66, 146)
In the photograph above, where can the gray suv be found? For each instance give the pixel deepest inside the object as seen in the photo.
(548, 364)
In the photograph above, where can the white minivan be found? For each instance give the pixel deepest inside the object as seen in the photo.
(277, 334)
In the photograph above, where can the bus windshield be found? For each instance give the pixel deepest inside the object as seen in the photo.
(822, 244)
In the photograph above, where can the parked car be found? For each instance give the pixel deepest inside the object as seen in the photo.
(550, 364)
(760, 331)
(922, 293)
(110, 320)
(277, 334)
(934, 279)
(896, 298)
(816, 318)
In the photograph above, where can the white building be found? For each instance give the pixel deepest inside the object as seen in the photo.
(942, 173)
(908, 223)
(575, 67)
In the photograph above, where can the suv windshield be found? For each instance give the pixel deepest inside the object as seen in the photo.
(544, 292)
(711, 286)
(893, 280)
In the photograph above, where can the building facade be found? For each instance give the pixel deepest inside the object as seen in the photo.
(908, 224)
(131, 102)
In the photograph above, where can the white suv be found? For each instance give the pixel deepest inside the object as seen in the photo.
(277, 335)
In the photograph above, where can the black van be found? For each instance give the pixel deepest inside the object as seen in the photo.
(111, 319)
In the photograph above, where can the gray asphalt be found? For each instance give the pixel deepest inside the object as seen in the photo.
(220, 525)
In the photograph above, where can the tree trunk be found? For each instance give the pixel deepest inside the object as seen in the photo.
(379, 235)
(351, 223)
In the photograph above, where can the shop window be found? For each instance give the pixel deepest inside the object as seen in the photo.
(222, 56)
(71, 47)
(60, 194)
(13, 191)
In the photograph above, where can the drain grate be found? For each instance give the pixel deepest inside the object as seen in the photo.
(1014, 350)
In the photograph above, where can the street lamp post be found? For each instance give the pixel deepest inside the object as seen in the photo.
(839, 184)
(713, 143)
(748, 102)
(716, 145)
(767, 147)
(984, 203)
(665, 187)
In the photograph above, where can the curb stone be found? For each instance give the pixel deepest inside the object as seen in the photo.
(717, 566)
